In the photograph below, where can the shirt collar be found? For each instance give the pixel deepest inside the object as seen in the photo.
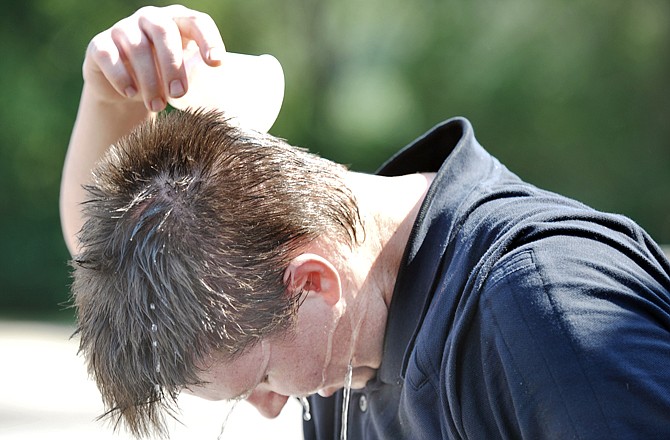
(451, 150)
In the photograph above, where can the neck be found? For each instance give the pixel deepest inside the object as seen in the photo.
(388, 208)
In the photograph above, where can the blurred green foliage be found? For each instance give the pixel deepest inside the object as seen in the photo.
(573, 96)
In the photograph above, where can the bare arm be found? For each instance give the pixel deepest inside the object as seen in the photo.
(98, 125)
(129, 72)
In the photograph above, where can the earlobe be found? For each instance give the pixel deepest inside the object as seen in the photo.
(311, 273)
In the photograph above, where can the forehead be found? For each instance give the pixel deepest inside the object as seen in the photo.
(226, 380)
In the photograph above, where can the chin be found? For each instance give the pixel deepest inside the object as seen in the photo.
(361, 377)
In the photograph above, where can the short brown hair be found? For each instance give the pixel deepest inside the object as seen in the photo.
(190, 224)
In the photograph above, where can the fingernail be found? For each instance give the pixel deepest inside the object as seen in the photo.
(157, 105)
(215, 54)
(130, 91)
(176, 88)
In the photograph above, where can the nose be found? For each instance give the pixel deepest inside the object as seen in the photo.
(267, 403)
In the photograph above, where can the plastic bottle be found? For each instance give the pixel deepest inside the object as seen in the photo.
(247, 88)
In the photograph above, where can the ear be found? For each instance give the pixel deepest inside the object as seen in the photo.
(313, 274)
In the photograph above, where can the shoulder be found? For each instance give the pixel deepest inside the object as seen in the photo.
(579, 329)
(581, 289)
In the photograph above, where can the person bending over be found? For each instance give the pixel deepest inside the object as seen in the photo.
(462, 301)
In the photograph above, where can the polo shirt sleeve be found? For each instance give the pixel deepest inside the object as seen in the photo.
(573, 342)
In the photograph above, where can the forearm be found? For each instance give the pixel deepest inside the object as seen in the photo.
(98, 125)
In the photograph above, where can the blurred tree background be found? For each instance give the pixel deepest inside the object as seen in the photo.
(572, 96)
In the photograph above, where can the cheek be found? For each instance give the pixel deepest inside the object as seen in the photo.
(300, 373)
(304, 358)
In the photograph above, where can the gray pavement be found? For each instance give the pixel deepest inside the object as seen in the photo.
(45, 393)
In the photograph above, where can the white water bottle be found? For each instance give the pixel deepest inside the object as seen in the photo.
(247, 88)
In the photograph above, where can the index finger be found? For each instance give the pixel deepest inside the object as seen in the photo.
(202, 29)
(167, 46)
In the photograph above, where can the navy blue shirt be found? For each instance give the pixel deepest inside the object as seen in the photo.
(517, 313)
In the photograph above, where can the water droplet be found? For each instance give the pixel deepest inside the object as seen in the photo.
(345, 401)
(152, 306)
(306, 415)
(154, 343)
(158, 367)
(225, 419)
(154, 328)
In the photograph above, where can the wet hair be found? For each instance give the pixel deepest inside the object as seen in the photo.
(190, 223)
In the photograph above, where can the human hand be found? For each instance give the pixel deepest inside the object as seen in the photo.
(140, 58)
